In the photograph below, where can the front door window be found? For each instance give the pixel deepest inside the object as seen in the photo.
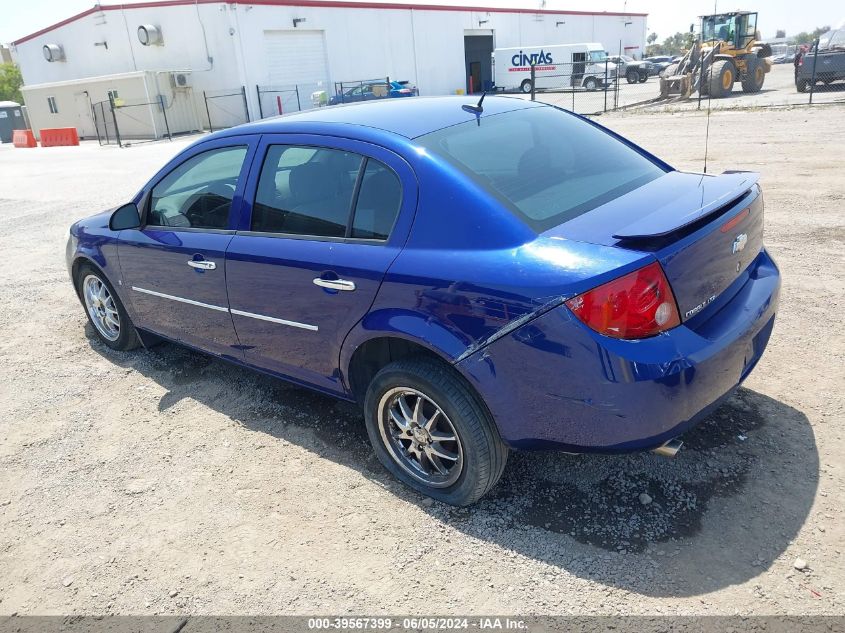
(198, 193)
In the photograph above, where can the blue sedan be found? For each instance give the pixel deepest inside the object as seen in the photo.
(368, 91)
(478, 279)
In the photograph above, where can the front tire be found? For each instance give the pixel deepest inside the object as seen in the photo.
(591, 84)
(721, 78)
(104, 309)
(802, 85)
(430, 431)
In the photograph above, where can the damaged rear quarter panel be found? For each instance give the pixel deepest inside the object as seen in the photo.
(470, 298)
(555, 383)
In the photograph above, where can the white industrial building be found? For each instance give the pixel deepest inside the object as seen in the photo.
(167, 53)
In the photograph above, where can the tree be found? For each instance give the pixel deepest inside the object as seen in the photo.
(781, 33)
(808, 38)
(674, 45)
(10, 83)
(652, 38)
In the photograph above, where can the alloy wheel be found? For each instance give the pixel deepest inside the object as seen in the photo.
(419, 437)
(101, 307)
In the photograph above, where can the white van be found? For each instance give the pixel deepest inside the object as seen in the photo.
(557, 66)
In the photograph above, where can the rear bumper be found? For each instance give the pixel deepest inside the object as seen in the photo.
(554, 383)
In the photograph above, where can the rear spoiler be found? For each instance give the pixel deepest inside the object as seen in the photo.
(716, 192)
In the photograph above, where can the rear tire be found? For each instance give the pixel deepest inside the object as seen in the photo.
(632, 76)
(643, 77)
(721, 78)
(525, 86)
(802, 85)
(104, 309)
(408, 448)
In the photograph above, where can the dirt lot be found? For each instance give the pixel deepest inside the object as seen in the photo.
(166, 482)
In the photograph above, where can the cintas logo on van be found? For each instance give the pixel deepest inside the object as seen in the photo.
(522, 60)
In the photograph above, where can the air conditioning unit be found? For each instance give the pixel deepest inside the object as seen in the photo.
(53, 52)
(180, 80)
(150, 35)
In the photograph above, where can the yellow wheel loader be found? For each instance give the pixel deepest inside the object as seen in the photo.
(728, 51)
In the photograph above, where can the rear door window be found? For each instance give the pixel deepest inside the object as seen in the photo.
(323, 192)
(305, 191)
(378, 202)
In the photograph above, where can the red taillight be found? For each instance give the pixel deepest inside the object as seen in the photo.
(638, 305)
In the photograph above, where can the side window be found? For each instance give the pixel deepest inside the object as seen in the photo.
(199, 192)
(305, 191)
(378, 202)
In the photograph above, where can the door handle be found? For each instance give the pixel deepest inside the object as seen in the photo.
(202, 264)
(335, 284)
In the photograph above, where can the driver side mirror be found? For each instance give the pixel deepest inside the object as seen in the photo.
(125, 217)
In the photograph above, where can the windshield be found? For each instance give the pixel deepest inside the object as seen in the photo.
(545, 165)
(736, 29)
(598, 56)
(718, 27)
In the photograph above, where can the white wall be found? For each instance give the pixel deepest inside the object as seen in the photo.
(421, 45)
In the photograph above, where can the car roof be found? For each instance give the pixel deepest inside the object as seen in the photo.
(409, 117)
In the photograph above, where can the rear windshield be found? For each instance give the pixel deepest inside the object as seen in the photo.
(545, 165)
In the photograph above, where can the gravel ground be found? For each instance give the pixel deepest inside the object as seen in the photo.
(166, 482)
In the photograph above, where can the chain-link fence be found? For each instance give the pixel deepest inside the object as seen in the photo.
(139, 120)
(583, 87)
(821, 71)
(682, 84)
(119, 121)
(226, 108)
(104, 123)
(278, 100)
(360, 90)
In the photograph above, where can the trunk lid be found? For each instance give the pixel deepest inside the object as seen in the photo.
(704, 230)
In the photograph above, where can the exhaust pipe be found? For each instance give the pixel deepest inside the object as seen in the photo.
(669, 449)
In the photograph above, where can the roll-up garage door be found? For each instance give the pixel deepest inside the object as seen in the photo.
(296, 57)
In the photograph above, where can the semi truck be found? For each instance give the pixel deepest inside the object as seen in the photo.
(583, 66)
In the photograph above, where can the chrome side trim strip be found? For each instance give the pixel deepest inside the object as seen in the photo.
(180, 299)
(261, 317)
(252, 315)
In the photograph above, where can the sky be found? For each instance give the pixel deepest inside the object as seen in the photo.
(666, 17)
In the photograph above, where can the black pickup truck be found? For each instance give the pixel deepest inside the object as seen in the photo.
(829, 61)
(634, 71)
